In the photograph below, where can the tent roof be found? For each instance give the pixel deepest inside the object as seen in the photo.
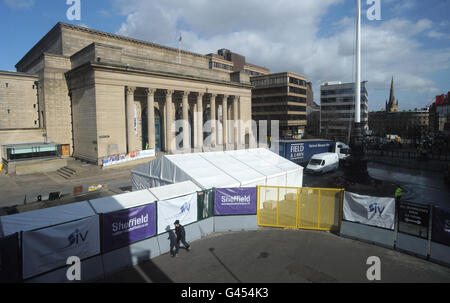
(174, 190)
(123, 201)
(233, 167)
(259, 164)
(202, 172)
(275, 159)
(45, 217)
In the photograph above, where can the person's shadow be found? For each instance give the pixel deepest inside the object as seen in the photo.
(172, 238)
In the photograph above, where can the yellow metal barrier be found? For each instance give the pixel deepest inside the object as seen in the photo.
(306, 208)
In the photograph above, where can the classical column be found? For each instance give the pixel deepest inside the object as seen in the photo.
(194, 131)
(225, 120)
(131, 136)
(219, 134)
(170, 122)
(213, 120)
(236, 122)
(186, 126)
(199, 133)
(151, 117)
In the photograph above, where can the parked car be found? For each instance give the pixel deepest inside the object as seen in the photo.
(322, 163)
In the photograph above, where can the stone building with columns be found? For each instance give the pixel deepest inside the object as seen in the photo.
(103, 95)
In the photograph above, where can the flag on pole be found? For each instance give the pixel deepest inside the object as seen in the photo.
(180, 38)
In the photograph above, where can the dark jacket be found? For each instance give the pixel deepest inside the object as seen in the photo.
(180, 232)
(172, 238)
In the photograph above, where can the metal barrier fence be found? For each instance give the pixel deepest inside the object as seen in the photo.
(408, 155)
(305, 208)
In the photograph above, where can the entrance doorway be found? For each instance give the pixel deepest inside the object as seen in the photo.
(157, 129)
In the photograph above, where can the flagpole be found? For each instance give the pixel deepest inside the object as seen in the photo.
(356, 164)
(179, 49)
(358, 64)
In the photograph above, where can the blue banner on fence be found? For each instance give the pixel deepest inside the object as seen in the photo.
(235, 201)
(441, 226)
(9, 259)
(128, 226)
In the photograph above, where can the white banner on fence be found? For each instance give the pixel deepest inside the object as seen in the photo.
(47, 249)
(183, 209)
(368, 210)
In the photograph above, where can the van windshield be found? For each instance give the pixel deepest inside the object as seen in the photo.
(345, 151)
(315, 162)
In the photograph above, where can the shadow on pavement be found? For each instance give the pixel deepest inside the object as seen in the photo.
(212, 249)
(152, 272)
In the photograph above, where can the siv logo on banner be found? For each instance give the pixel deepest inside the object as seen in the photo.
(185, 207)
(374, 208)
(76, 237)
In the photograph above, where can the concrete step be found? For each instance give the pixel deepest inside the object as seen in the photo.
(68, 169)
(66, 172)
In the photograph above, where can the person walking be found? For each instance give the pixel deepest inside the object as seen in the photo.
(398, 194)
(173, 241)
(181, 236)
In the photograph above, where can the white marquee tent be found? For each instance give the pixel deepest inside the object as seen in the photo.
(240, 168)
(44, 217)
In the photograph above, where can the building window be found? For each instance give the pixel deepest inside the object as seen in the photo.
(297, 81)
(220, 65)
(297, 90)
(252, 73)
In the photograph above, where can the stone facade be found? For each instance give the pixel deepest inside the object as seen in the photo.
(95, 91)
(19, 108)
(406, 124)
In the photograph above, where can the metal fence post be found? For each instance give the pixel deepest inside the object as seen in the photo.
(297, 213)
(341, 209)
(21, 256)
(318, 219)
(258, 213)
(397, 206)
(278, 205)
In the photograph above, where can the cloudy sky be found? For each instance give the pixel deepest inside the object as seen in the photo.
(314, 38)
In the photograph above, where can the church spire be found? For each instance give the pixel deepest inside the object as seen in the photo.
(392, 105)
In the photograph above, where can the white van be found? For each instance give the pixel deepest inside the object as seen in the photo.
(342, 150)
(322, 163)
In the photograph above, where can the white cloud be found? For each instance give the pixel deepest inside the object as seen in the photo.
(283, 36)
(19, 4)
(438, 35)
